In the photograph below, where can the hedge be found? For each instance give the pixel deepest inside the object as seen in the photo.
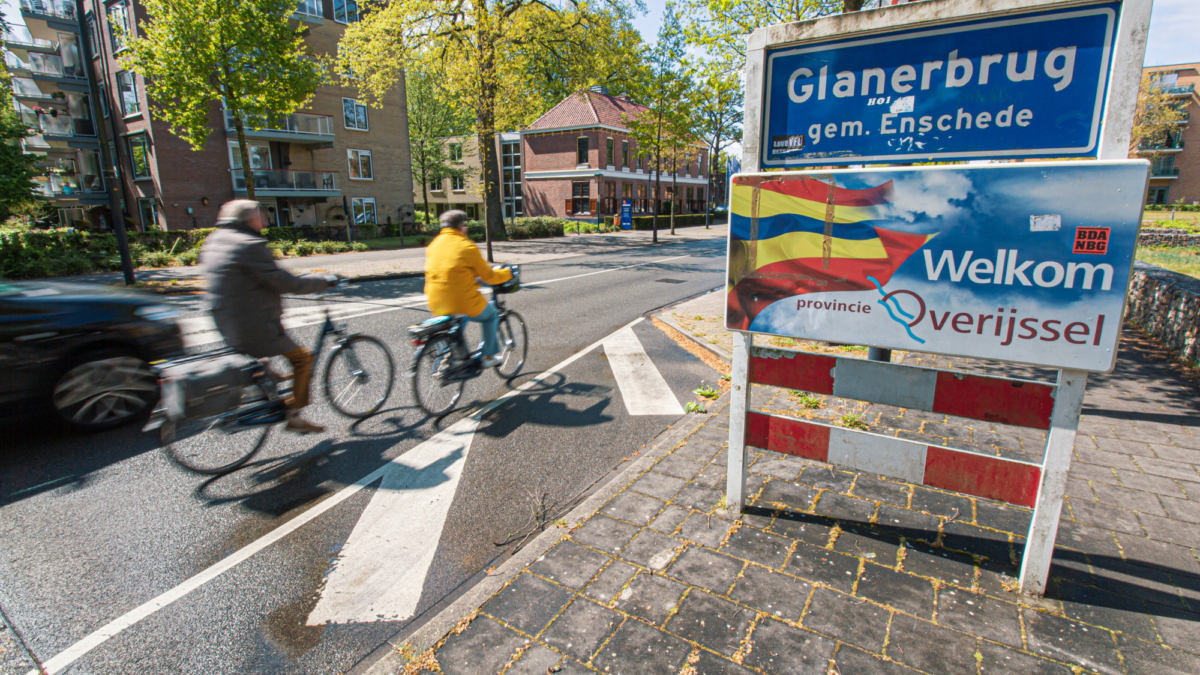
(1175, 207)
(664, 221)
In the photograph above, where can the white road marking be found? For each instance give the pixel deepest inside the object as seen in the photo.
(381, 570)
(642, 387)
(113, 628)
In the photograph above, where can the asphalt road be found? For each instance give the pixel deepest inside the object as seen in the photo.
(92, 527)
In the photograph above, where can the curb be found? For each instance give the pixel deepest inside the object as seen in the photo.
(662, 314)
(426, 637)
(384, 277)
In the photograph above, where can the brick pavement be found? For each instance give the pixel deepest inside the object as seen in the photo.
(837, 572)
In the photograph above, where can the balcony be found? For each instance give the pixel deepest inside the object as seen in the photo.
(47, 18)
(45, 66)
(309, 11)
(299, 128)
(69, 186)
(1184, 120)
(59, 131)
(1177, 89)
(58, 9)
(21, 42)
(1162, 172)
(283, 183)
(25, 89)
(1169, 146)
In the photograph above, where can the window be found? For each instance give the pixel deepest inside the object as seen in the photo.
(93, 34)
(456, 152)
(510, 154)
(112, 157)
(611, 159)
(139, 155)
(639, 162)
(149, 210)
(360, 164)
(581, 150)
(458, 183)
(625, 154)
(89, 171)
(354, 115)
(118, 25)
(104, 100)
(580, 193)
(127, 91)
(364, 210)
(80, 106)
(345, 11)
(436, 185)
(260, 155)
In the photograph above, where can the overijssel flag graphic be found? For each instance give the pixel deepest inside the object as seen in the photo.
(800, 234)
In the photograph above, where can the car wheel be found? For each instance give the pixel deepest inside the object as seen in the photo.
(104, 389)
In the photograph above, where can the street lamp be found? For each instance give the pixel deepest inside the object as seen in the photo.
(599, 201)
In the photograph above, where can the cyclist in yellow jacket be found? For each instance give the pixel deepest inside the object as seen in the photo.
(452, 265)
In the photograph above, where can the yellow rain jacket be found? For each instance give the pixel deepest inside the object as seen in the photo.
(452, 262)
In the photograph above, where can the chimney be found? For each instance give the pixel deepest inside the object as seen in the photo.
(599, 89)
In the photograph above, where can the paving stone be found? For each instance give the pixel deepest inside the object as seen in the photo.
(484, 647)
(1184, 441)
(827, 567)
(1003, 517)
(713, 622)
(783, 494)
(1174, 531)
(850, 620)
(827, 478)
(1163, 467)
(678, 467)
(703, 568)
(772, 593)
(1176, 453)
(931, 648)
(759, 517)
(940, 503)
(1125, 447)
(997, 660)
(1080, 489)
(699, 497)
(1178, 628)
(650, 596)
(758, 546)
(841, 507)
(528, 603)
(651, 549)
(604, 533)
(882, 490)
(878, 546)
(569, 564)
(1169, 557)
(977, 541)
(658, 485)
(814, 530)
(1103, 515)
(905, 592)
(701, 452)
(537, 660)
(1150, 658)
(937, 563)
(710, 664)
(704, 530)
(1182, 509)
(670, 519)
(1110, 610)
(851, 660)
(712, 475)
(1142, 434)
(907, 524)
(1065, 640)
(1150, 483)
(1108, 460)
(713, 435)
(637, 649)
(608, 583)
(1093, 473)
(1087, 538)
(581, 629)
(777, 467)
(947, 430)
(633, 507)
(979, 615)
(780, 649)
(1136, 500)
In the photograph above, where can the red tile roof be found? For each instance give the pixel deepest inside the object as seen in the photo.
(588, 108)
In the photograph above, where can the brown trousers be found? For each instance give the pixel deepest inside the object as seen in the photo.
(301, 360)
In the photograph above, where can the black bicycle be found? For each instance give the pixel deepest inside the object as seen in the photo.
(357, 382)
(443, 362)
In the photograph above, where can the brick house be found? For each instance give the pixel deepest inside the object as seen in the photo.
(1175, 165)
(309, 167)
(466, 194)
(580, 162)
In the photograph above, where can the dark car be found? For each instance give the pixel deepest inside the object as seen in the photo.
(82, 351)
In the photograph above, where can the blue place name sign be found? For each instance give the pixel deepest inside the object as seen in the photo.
(1017, 86)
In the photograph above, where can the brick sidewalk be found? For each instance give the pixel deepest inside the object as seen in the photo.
(837, 572)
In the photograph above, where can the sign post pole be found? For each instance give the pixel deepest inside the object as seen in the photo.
(735, 481)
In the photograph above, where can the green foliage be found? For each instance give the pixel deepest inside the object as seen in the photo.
(720, 27)
(694, 407)
(1183, 260)
(16, 167)
(707, 392)
(806, 400)
(853, 421)
(686, 220)
(432, 119)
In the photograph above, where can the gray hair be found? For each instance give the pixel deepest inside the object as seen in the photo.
(237, 211)
(453, 218)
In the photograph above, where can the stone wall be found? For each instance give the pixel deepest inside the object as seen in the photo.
(1167, 237)
(1167, 305)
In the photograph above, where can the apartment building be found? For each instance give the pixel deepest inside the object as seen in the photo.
(1175, 164)
(466, 193)
(308, 168)
(581, 162)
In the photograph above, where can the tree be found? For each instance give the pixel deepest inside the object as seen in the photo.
(16, 167)
(244, 53)
(1156, 118)
(719, 111)
(721, 26)
(661, 86)
(430, 121)
(484, 47)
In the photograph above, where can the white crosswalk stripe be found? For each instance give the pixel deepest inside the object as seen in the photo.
(643, 388)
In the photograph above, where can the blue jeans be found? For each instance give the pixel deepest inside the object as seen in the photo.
(489, 319)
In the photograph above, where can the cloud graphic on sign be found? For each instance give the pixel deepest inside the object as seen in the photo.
(928, 193)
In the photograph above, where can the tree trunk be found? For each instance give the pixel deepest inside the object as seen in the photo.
(485, 123)
(674, 189)
(657, 177)
(247, 173)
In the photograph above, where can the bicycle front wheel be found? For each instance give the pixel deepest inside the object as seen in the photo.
(213, 445)
(435, 394)
(514, 340)
(359, 377)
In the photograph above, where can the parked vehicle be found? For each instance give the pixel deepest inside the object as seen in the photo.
(83, 351)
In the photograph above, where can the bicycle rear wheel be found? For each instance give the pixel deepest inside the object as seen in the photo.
(435, 395)
(214, 445)
(514, 340)
(359, 377)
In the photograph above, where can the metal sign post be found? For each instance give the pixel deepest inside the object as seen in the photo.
(1025, 263)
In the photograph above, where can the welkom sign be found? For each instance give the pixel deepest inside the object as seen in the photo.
(1014, 262)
